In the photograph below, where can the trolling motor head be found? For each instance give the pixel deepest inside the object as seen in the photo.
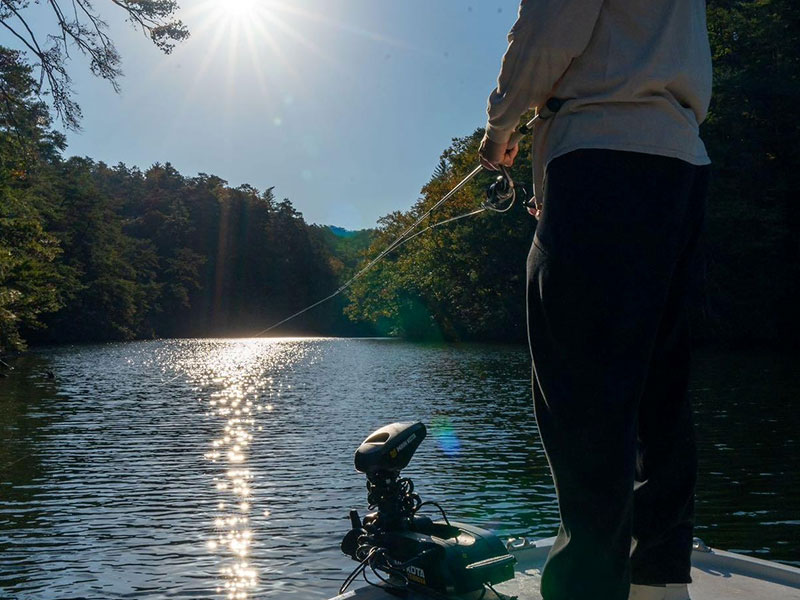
(381, 457)
(389, 450)
(444, 556)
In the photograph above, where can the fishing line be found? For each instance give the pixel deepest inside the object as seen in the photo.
(401, 240)
(396, 243)
(13, 462)
(552, 105)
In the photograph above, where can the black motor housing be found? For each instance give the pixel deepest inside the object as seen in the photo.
(446, 557)
(389, 449)
(462, 559)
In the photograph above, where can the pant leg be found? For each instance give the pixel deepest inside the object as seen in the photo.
(599, 272)
(667, 465)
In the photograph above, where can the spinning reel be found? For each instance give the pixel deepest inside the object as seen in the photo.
(404, 549)
(503, 192)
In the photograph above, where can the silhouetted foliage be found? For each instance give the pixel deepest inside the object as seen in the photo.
(29, 278)
(92, 252)
(753, 136)
(78, 25)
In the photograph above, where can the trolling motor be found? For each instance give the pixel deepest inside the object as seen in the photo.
(444, 558)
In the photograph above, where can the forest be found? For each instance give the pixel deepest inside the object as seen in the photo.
(92, 252)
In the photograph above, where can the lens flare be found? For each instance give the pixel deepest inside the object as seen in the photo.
(444, 434)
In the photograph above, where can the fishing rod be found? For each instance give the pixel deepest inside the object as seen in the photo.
(500, 198)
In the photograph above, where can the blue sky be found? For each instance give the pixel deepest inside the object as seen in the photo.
(343, 105)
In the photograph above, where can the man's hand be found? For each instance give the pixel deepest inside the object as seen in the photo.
(492, 154)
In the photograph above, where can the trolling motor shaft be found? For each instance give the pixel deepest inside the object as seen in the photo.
(381, 457)
(443, 557)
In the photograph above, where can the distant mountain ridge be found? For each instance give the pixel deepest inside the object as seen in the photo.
(346, 245)
(345, 233)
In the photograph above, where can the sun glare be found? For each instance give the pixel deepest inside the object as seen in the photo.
(269, 40)
(236, 15)
(239, 9)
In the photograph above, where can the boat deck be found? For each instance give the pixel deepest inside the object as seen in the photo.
(716, 575)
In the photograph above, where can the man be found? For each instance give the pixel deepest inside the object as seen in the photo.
(623, 175)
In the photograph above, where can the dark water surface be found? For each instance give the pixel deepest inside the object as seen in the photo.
(223, 468)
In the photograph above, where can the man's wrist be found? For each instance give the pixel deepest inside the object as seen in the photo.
(498, 135)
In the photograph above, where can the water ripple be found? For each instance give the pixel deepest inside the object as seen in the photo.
(223, 468)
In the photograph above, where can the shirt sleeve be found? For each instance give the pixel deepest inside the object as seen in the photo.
(546, 37)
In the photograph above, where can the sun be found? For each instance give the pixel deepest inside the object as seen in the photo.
(252, 37)
(240, 10)
(237, 11)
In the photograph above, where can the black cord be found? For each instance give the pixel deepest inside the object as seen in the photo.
(496, 593)
(354, 573)
(372, 583)
(407, 485)
(352, 577)
(437, 505)
(369, 561)
(388, 568)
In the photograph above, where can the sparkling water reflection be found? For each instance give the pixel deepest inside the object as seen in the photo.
(223, 468)
(237, 381)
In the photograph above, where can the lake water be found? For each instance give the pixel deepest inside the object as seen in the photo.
(223, 468)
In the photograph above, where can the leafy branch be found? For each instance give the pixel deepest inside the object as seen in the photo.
(79, 25)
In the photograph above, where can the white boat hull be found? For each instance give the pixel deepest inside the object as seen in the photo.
(716, 575)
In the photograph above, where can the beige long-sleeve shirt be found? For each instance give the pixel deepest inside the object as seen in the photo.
(636, 76)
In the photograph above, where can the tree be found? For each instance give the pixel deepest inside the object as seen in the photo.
(461, 281)
(28, 277)
(753, 135)
(78, 24)
(115, 285)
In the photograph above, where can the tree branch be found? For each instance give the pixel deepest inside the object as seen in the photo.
(89, 33)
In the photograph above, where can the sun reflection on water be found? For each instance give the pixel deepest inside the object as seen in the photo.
(239, 381)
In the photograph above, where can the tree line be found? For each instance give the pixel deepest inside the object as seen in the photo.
(90, 252)
(94, 252)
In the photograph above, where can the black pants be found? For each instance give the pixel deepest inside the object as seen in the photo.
(608, 276)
